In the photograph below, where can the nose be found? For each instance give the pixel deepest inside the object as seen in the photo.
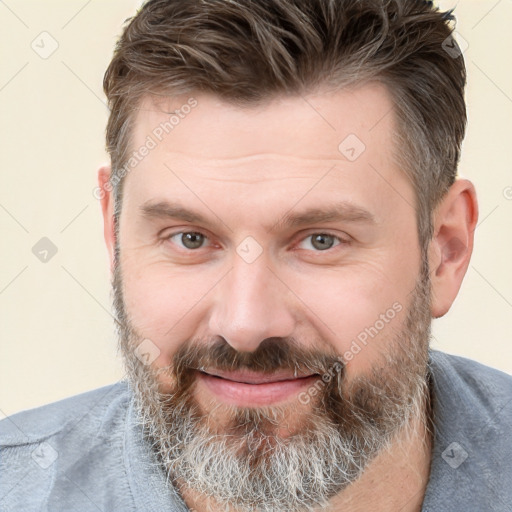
(251, 304)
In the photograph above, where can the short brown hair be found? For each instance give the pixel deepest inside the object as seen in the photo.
(246, 51)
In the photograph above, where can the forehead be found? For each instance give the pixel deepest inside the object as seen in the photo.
(308, 127)
(200, 146)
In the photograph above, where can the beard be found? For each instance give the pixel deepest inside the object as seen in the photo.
(242, 462)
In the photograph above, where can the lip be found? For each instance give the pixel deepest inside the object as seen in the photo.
(248, 377)
(245, 388)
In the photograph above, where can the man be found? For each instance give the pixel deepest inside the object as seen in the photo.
(284, 220)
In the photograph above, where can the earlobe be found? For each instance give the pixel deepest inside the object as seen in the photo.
(452, 244)
(107, 207)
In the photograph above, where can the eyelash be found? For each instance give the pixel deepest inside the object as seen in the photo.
(340, 240)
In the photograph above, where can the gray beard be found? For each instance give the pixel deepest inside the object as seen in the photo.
(245, 465)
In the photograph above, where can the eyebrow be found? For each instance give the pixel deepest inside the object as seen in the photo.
(338, 212)
(165, 209)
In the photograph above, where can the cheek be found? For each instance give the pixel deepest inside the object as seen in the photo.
(165, 305)
(357, 311)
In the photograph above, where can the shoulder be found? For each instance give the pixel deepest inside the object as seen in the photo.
(42, 450)
(472, 398)
(471, 466)
(482, 385)
(35, 425)
(468, 369)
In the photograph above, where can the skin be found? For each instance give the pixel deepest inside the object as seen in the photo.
(244, 170)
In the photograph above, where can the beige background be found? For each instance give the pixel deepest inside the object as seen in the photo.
(56, 331)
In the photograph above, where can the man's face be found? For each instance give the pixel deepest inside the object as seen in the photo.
(259, 248)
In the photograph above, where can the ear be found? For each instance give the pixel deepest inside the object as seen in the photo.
(107, 207)
(452, 244)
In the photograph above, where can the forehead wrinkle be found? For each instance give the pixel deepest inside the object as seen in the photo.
(313, 161)
(244, 168)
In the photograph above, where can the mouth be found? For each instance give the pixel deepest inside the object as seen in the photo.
(247, 388)
(249, 377)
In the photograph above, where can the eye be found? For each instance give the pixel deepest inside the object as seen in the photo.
(188, 239)
(320, 242)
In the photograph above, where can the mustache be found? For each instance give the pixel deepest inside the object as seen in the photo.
(272, 355)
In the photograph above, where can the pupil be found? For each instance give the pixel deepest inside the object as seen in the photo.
(322, 242)
(192, 240)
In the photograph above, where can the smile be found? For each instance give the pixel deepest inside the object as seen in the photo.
(243, 388)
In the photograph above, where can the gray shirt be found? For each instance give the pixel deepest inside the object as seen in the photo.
(86, 453)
